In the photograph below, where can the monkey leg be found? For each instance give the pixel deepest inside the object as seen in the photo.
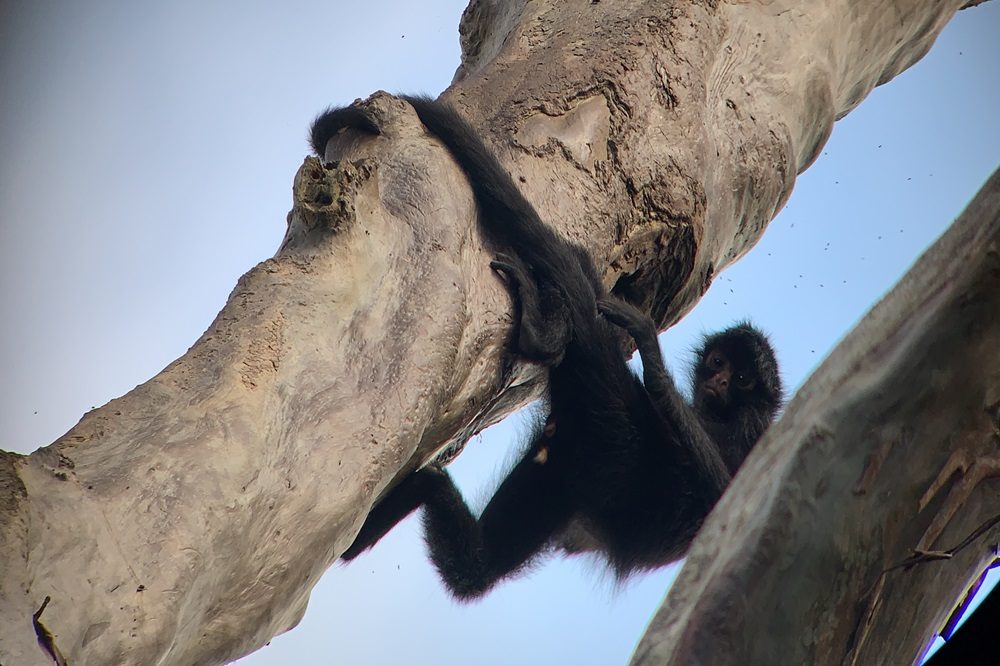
(472, 555)
(544, 329)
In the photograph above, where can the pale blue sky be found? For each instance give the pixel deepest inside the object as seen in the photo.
(146, 158)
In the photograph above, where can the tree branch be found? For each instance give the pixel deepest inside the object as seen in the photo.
(186, 522)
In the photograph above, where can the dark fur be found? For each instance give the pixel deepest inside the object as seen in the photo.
(626, 462)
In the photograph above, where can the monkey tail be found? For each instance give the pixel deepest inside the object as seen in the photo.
(509, 218)
(506, 216)
(334, 119)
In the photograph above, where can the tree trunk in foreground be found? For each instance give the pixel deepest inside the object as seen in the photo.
(186, 522)
(893, 445)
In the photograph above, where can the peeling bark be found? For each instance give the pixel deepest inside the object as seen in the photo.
(186, 522)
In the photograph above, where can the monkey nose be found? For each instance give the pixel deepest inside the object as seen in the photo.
(717, 386)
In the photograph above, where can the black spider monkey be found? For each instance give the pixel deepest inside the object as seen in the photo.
(620, 465)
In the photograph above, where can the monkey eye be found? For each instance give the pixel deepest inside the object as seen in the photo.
(744, 381)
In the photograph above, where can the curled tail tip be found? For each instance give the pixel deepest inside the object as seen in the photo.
(335, 118)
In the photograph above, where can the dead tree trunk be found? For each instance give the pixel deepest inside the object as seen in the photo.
(186, 522)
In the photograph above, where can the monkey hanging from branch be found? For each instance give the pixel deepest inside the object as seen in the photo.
(621, 466)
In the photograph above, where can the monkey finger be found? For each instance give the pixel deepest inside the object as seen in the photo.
(617, 312)
(607, 306)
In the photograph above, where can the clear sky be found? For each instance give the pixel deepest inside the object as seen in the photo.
(146, 157)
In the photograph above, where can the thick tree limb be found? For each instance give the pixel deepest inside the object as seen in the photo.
(867, 471)
(186, 522)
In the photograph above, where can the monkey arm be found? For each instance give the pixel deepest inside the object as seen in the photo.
(663, 394)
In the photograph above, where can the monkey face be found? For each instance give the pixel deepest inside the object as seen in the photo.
(712, 382)
(721, 384)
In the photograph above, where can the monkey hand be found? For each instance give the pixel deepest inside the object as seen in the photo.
(544, 329)
(627, 316)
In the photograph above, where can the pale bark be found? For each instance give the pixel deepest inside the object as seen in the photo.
(186, 522)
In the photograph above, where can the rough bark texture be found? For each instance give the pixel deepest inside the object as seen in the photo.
(186, 522)
(897, 430)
